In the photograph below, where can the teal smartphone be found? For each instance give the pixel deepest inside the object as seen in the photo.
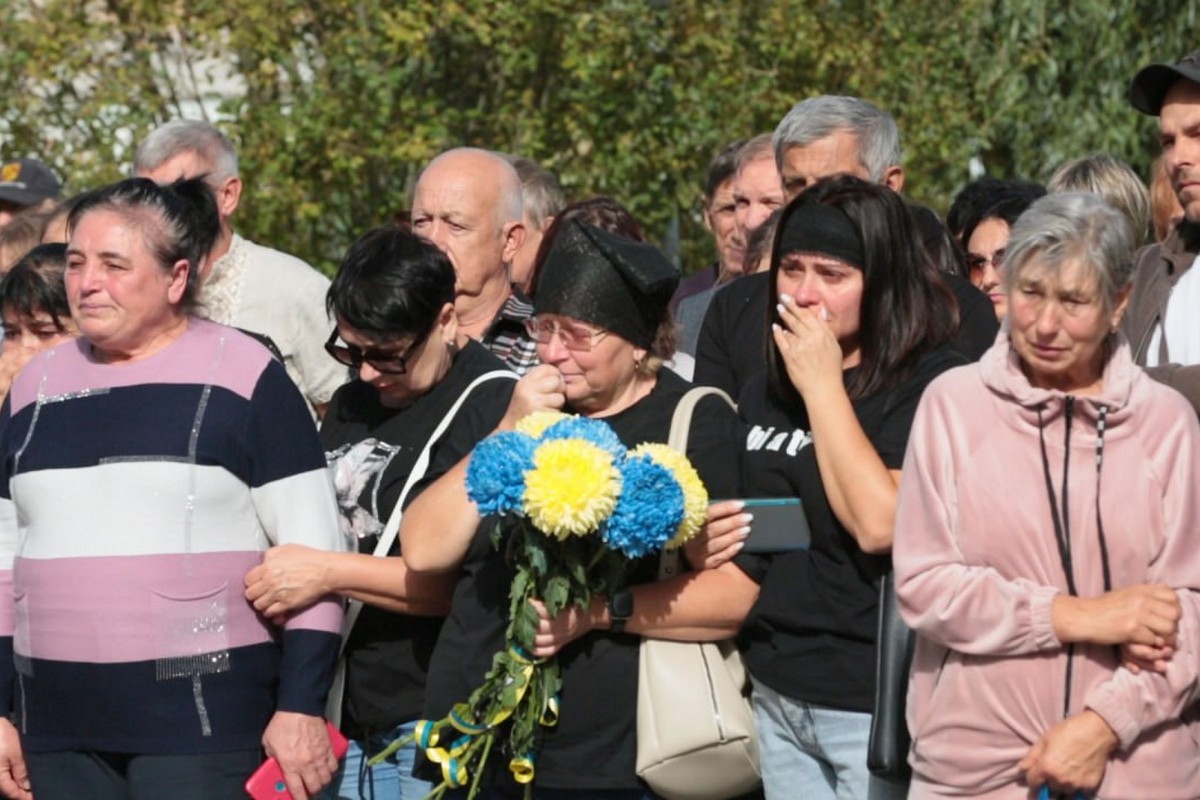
(779, 525)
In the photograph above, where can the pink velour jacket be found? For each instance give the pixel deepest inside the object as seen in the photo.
(978, 567)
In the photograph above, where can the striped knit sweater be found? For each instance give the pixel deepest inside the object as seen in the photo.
(133, 500)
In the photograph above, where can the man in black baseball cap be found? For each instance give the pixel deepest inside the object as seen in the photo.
(25, 183)
(1162, 321)
(1150, 86)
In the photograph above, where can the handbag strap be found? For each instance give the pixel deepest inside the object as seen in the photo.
(681, 426)
(390, 531)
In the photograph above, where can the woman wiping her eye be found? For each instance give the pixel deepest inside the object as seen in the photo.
(858, 325)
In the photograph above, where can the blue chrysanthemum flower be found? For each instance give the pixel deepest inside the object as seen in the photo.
(595, 431)
(648, 511)
(496, 472)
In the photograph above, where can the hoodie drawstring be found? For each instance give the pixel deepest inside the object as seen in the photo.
(1060, 516)
(1100, 424)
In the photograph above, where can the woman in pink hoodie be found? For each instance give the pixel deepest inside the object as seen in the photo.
(1047, 543)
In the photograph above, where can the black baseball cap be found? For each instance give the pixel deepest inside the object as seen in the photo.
(26, 181)
(1150, 86)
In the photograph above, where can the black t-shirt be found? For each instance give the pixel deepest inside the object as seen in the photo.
(732, 341)
(730, 348)
(977, 323)
(811, 634)
(593, 744)
(373, 449)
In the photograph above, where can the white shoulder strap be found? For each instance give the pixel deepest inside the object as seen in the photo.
(681, 421)
(681, 424)
(388, 537)
(421, 465)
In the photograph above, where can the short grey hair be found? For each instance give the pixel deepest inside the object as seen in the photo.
(817, 117)
(1073, 226)
(187, 136)
(754, 149)
(541, 193)
(1112, 179)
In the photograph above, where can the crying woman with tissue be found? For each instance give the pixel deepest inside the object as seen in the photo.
(858, 323)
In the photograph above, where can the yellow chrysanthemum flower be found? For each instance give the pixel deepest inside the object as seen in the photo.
(695, 496)
(572, 488)
(535, 424)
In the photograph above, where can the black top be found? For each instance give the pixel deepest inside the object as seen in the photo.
(593, 745)
(373, 449)
(977, 323)
(732, 342)
(811, 634)
(731, 345)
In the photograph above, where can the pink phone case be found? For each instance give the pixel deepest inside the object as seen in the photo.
(267, 781)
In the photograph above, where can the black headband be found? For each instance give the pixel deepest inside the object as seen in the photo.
(818, 228)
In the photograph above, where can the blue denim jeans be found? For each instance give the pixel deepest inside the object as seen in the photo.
(559, 794)
(814, 752)
(389, 780)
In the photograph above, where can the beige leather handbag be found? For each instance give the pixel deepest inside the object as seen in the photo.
(695, 728)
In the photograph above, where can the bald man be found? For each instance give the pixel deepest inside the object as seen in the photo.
(468, 202)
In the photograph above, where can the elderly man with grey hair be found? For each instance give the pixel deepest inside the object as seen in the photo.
(818, 138)
(541, 199)
(468, 202)
(247, 285)
(833, 135)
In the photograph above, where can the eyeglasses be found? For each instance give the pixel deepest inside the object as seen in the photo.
(351, 356)
(978, 263)
(572, 337)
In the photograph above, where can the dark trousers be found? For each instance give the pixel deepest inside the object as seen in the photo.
(120, 776)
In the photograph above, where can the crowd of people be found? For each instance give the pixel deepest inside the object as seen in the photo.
(233, 499)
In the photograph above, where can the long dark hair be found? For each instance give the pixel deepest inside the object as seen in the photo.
(906, 308)
(35, 285)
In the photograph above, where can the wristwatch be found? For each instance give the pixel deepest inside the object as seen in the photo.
(620, 609)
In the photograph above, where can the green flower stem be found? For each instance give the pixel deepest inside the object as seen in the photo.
(560, 574)
(600, 554)
(487, 749)
(391, 748)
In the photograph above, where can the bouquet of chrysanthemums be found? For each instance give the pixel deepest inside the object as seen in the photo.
(574, 505)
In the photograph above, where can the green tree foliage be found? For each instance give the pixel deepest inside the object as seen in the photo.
(334, 106)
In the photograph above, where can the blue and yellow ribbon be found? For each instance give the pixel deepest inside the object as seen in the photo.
(522, 768)
(427, 733)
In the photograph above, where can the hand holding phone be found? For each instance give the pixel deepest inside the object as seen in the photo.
(267, 781)
(779, 525)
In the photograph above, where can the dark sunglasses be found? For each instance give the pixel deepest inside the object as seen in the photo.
(978, 263)
(351, 356)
